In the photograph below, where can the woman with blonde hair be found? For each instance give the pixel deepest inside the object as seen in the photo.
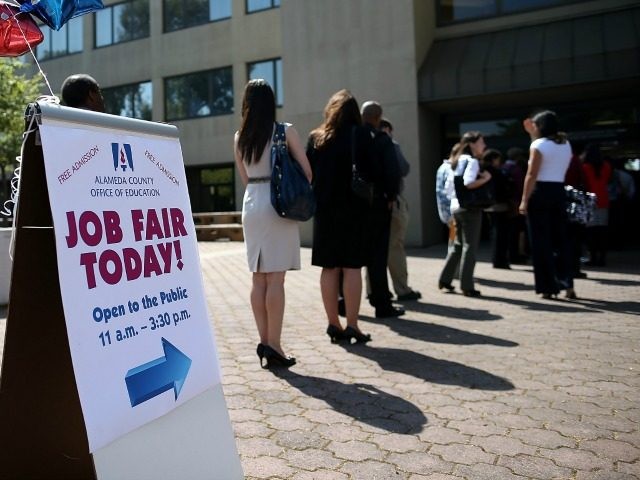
(340, 243)
(272, 242)
(468, 221)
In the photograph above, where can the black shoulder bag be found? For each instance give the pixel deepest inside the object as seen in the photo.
(481, 197)
(359, 186)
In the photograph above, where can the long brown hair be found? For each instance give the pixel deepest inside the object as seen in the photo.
(463, 146)
(258, 116)
(341, 111)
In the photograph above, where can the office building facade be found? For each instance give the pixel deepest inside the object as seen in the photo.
(438, 67)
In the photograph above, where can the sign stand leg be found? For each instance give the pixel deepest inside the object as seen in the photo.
(42, 432)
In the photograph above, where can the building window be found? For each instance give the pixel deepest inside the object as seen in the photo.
(259, 5)
(271, 71)
(65, 41)
(132, 101)
(451, 11)
(201, 94)
(212, 188)
(180, 14)
(122, 22)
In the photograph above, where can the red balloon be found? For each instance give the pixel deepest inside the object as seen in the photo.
(12, 41)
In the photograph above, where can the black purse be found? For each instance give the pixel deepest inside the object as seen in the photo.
(481, 197)
(359, 186)
(580, 205)
(292, 195)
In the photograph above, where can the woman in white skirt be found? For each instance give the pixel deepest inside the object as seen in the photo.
(273, 243)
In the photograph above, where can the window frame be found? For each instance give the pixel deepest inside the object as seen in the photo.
(195, 117)
(111, 7)
(499, 12)
(51, 31)
(272, 2)
(164, 19)
(133, 84)
(276, 81)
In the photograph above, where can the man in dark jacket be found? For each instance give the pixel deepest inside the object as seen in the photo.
(384, 173)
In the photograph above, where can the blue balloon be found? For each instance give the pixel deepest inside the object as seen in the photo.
(55, 13)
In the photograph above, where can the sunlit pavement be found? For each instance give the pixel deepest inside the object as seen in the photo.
(503, 386)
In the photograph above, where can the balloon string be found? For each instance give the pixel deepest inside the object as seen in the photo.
(15, 180)
(46, 80)
(15, 186)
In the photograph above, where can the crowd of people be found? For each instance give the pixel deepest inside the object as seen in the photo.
(527, 214)
(350, 233)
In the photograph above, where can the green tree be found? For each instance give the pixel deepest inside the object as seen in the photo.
(17, 89)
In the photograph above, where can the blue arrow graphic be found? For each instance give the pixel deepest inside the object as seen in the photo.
(158, 376)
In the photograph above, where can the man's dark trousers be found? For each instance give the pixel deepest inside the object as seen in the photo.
(380, 296)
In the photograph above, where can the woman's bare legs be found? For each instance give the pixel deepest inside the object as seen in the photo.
(274, 303)
(258, 305)
(329, 281)
(267, 303)
(352, 289)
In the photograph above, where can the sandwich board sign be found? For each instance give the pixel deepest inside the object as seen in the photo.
(130, 357)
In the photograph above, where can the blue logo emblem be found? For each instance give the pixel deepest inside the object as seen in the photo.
(122, 156)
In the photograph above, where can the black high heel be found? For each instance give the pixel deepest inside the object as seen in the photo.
(446, 286)
(335, 333)
(571, 294)
(360, 337)
(260, 352)
(471, 293)
(274, 359)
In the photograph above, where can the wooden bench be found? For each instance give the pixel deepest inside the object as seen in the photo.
(208, 233)
(213, 218)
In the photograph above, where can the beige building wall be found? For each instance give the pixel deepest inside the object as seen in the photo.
(369, 48)
(375, 48)
(372, 47)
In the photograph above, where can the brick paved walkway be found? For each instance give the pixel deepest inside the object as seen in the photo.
(507, 386)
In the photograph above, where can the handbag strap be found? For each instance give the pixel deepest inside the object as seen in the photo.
(279, 136)
(354, 169)
(464, 168)
(279, 139)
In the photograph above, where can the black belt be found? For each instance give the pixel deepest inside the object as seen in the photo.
(259, 180)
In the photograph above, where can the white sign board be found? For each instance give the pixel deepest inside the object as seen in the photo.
(130, 278)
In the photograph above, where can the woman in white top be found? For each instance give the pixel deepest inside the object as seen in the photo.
(272, 242)
(543, 201)
(468, 220)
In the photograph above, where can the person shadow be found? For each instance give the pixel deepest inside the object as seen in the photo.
(430, 369)
(446, 311)
(616, 282)
(360, 401)
(432, 332)
(511, 286)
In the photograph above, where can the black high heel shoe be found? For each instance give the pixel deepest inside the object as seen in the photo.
(274, 359)
(471, 293)
(360, 337)
(335, 333)
(446, 286)
(260, 352)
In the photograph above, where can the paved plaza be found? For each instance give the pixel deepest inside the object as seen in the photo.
(506, 386)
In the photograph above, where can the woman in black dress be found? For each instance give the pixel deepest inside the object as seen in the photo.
(340, 244)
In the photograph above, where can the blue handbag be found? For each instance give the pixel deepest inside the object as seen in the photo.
(292, 195)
